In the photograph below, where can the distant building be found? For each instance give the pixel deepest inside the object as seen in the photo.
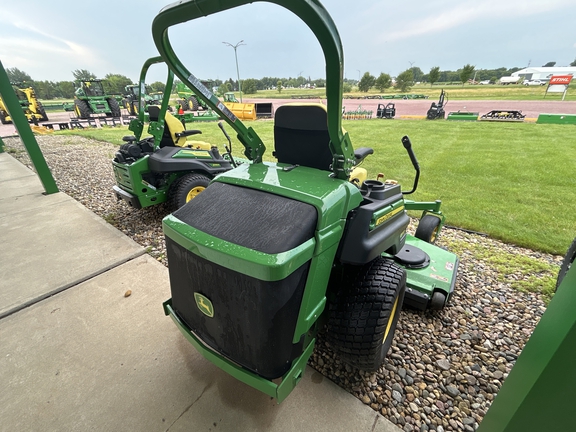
(544, 73)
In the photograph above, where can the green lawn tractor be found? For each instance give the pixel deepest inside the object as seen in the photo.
(165, 166)
(133, 94)
(272, 253)
(188, 100)
(132, 97)
(90, 99)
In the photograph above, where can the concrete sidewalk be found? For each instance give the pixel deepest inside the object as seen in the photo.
(75, 354)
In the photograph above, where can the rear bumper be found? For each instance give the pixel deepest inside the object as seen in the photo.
(279, 391)
(128, 197)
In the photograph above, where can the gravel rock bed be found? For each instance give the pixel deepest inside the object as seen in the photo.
(444, 368)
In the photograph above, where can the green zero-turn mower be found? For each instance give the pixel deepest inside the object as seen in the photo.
(272, 253)
(165, 166)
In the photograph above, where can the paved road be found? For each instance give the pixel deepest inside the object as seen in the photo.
(410, 107)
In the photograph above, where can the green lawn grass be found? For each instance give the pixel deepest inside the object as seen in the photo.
(512, 181)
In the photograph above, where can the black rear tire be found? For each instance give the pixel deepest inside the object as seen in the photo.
(82, 109)
(114, 107)
(42, 112)
(186, 188)
(566, 263)
(3, 116)
(363, 316)
(428, 228)
(192, 103)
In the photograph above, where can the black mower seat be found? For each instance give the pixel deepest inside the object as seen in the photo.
(301, 136)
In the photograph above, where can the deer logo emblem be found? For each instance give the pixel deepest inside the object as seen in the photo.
(204, 305)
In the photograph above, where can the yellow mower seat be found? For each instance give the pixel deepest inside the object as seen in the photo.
(174, 132)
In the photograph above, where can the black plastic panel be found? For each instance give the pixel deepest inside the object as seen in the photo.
(254, 321)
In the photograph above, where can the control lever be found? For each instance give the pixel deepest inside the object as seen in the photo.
(408, 146)
(228, 149)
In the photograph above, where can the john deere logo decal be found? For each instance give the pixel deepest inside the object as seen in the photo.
(204, 305)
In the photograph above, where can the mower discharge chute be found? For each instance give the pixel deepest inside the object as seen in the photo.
(272, 253)
(167, 166)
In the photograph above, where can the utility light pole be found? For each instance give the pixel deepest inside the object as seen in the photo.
(236, 57)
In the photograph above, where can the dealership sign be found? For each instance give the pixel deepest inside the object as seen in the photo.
(561, 79)
(559, 84)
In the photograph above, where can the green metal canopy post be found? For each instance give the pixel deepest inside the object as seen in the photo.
(23, 128)
(538, 395)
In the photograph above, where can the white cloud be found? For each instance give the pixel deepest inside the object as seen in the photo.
(458, 15)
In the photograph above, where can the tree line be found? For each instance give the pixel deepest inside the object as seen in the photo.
(115, 84)
(406, 79)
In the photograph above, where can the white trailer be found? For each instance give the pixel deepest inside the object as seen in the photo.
(510, 80)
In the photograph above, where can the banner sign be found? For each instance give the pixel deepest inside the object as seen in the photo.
(559, 84)
(561, 79)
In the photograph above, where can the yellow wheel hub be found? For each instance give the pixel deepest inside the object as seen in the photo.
(390, 320)
(434, 236)
(194, 192)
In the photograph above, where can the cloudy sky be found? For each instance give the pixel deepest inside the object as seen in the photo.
(50, 39)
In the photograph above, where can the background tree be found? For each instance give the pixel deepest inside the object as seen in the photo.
(320, 82)
(224, 88)
(366, 82)
(417, 73)
(46, 90)
(405, 80)
(346, 87)
(15, 75)
(434, 75)
(279, 86)
(66, 89)
(157, 86)
(383, 82)
(83, 75)
(466, 73)
(549, 64)
(115, 83)
(249, 86)
(573, 63)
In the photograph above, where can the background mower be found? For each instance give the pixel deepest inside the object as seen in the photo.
(165, 166)
(271, 253)
(436, 110)
(387, 111)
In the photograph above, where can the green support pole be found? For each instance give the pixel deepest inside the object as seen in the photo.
(23, 128)
(538, 395)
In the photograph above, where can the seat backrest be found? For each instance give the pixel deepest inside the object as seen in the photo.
(301, 136)
(172, 126)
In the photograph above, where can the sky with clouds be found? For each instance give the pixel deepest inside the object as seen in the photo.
(50, 39)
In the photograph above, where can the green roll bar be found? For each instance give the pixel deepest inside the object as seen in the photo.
(321, 24)
(28, 138)
(155, 128)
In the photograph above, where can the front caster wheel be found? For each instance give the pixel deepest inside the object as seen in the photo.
(428, 229)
